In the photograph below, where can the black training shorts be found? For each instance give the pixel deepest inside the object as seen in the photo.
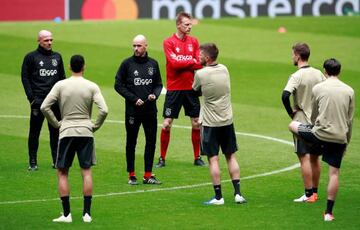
(83, 146)
(212, 138)
(301, 147)
(332, 152)
(175, 99)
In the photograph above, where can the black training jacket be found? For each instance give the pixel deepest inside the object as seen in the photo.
(136, 78)
(41, 69)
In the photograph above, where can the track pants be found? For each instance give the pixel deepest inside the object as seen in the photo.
(36, 121)
(132, 125)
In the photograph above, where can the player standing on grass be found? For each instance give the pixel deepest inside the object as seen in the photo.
(300, 85)
(138, 80)
(213, 82)
(75, 96)
(182, 58)
(40, 71)
(333, 105)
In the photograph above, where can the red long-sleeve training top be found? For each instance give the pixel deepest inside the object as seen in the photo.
(182, 58)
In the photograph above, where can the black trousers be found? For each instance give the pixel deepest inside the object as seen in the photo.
(36, 121)
(132, 125)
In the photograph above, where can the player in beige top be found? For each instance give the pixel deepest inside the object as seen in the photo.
(333, 110)
(217, 130)
(214, 82)
(331, 122)
(300, 85)
(75, 97)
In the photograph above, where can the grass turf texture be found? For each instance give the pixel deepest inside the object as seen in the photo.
(259, 60)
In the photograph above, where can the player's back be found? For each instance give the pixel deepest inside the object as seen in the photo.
(76, 97)
(300, 85)
(215, 88)
(333, 99)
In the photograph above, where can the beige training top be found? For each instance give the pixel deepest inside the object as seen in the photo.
(214, 83)
(300, 85)
(333, 111)
(75, 96)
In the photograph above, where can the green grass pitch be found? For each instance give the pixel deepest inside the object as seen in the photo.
(259, 61)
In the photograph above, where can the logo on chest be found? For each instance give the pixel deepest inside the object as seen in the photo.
(54, 62)
(151, 71)
(47, 73)
(139, 81)
(190, 47)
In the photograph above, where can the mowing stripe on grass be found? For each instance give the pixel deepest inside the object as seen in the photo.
(297, 165)
(177, 126)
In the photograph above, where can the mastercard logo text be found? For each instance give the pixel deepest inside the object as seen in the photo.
(109, 9)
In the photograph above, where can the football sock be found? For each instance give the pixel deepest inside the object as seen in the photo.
(147, 174)
(315, 190)
(308, 192)
(164, 142)
(329, 206)
(87, 205)
(195, 138)
(236, 184)
(217, 189)
(131, 174)
(65, 200)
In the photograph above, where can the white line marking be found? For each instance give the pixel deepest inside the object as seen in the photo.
(297, 165)
(14, 116)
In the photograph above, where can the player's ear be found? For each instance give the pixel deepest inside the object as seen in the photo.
(326, 74)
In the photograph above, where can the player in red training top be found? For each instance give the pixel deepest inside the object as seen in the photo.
(182, 58)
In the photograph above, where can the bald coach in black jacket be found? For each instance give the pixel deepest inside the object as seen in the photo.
(41, 69)
(138, 80)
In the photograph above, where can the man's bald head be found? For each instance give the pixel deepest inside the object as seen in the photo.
(44, 33)
(140, 39)
(45, 39)
(139, 45)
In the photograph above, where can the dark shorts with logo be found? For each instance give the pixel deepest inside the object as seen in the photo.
(83, 146)
(174, 100)
(212, 138)
(301, 148)
(332, 152)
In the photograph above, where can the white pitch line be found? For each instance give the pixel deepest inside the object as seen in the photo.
(158, 189)
(297, 165)
(14, 116)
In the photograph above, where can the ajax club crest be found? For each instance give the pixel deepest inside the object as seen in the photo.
(131, 120)
(190, 47)
(54, 62)
(151, 71)
(168, 111)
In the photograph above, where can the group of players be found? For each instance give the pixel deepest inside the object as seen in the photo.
(322, 115)
(191, 71)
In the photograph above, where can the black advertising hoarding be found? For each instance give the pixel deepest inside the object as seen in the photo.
(15, 10)
(157, 9)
